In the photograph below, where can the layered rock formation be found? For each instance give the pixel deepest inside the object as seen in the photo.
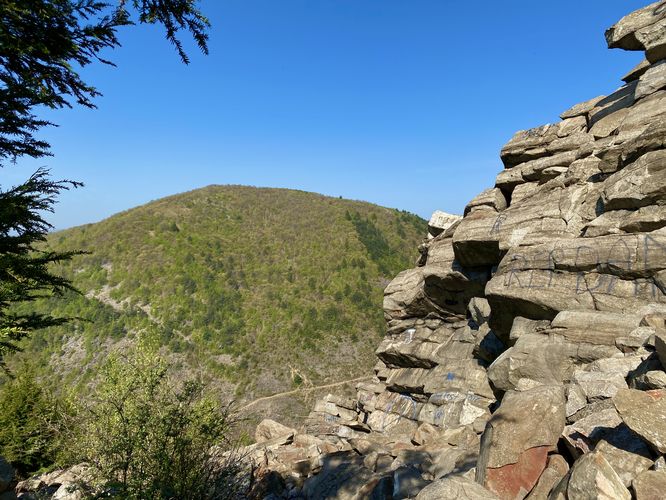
(525, 353)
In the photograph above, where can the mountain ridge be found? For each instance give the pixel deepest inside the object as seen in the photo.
(232, 186)
(247, 286)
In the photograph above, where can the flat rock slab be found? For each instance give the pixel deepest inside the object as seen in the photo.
(269, 429)
(441, 221)
(654, 379)
(583, 435)
(582, 108)
(545, 359)
(660, 345)
(599, 385)
(455, 488)
(442, 288)
(636, 72)
(608, 273)
(516, 442)
(640, 184)
(419, 347)
(407, 482)
(341, 477)
(623, 34)
(517, 480)
(592, 478)
(626, 453)
(476, 239)
(529, 144)
(652, 80)
(651, 485)
(513, 425)
(490, 199)
(644, 412)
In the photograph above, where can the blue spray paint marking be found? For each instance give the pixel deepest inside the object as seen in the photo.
(450, 376)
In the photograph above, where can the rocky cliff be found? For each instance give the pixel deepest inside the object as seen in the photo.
(525, 353)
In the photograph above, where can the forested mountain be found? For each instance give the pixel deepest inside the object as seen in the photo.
(262, 290)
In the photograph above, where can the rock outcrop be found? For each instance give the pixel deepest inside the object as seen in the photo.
(59, 484)
(524, 355)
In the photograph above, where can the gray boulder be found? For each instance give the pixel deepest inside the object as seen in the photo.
(643, 412)
(518, 438)
(455, 488)
(650, 485)
(643, 29)
(592, 478)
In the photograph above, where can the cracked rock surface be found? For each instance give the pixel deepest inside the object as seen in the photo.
(524, 351)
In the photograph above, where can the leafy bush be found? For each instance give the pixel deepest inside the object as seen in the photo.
(28, 418)
(146, 436)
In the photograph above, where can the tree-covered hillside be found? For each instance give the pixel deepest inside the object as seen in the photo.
(264, 289)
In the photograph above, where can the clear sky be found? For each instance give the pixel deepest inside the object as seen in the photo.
(404, 103)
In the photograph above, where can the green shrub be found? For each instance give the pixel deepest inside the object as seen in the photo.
(28, 418)
(147, 436)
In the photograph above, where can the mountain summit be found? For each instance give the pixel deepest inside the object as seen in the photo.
(263, 290)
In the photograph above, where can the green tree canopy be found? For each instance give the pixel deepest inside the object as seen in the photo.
(43, 46)
(44, 42)
(24, 274)
(27, 423)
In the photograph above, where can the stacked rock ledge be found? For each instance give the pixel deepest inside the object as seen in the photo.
(524, 355)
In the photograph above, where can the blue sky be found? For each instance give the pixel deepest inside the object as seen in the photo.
(404, 103)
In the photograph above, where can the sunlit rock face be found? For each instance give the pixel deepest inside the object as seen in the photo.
(524, 353)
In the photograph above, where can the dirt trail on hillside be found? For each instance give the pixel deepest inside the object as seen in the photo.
(301, 390)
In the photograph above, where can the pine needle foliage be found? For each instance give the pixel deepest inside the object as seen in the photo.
(43, 43)
(28, 423)
(43, 46)
(24, 269)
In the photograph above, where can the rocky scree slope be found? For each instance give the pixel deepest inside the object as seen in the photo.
(525, 353)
